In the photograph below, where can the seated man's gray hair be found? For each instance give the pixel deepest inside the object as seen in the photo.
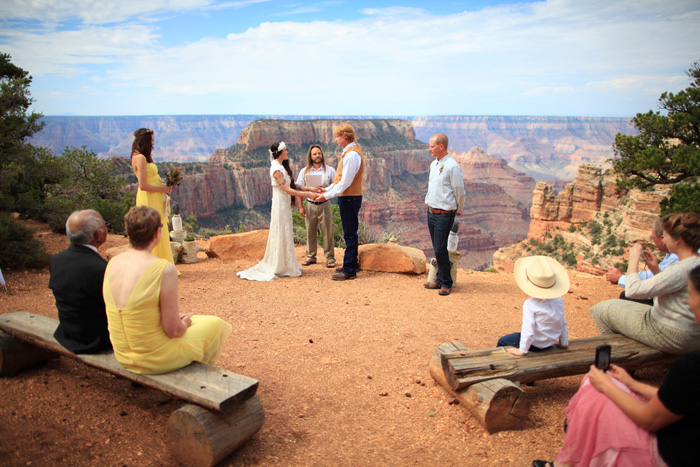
(84, 232)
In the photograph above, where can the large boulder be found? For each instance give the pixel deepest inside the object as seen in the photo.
(388, 257)
(246, 245)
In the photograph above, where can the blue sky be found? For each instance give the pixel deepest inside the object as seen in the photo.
(399, 58)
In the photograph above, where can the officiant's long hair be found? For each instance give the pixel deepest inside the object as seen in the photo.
(310, 163)
(275, 150)
(143, 143)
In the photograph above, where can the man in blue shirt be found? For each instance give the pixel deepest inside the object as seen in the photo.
(445, 199)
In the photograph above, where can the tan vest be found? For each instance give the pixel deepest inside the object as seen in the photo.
(355, 188)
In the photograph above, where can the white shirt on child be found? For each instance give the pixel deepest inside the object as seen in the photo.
(544, 323)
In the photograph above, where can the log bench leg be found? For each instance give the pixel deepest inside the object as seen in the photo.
(16, 356)
(199, 437)
(498, 404)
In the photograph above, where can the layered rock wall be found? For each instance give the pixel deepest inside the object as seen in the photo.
(592, 196)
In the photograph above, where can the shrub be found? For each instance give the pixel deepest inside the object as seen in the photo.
(570, 259)
(365, 235)
(491, 269)
(595, 228)
(18, 247)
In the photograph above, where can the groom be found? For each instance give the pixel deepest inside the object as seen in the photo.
(347, 186)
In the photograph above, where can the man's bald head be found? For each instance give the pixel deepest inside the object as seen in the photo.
(82, 228)
(438, 145)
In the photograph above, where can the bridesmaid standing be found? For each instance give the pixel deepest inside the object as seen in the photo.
(151, 190)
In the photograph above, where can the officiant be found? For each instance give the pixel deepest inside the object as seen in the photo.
(317, 213)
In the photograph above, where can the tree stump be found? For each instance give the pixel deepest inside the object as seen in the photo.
(498, 404)
(199, 437)
(16, 355)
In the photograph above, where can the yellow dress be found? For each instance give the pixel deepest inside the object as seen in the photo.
(157, 202)
(137, 335)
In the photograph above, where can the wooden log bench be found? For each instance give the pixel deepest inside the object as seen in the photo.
(487, 381)
(225, 411)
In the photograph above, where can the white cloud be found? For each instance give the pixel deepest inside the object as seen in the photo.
(67, 53)
(93, 11)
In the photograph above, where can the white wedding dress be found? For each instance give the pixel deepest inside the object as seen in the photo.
(280, 259)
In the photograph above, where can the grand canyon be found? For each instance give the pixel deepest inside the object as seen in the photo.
(226, 179)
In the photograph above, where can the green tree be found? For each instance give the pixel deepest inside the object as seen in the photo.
(86, 182)
(23, 168)
(667, 149)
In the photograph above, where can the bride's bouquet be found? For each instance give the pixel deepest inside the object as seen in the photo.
(174, 177)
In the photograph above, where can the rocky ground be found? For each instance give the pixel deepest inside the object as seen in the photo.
(342, 370)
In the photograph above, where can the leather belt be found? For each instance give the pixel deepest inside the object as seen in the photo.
(440, 211)
(316, 202)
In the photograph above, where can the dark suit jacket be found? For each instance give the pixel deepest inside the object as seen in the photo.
(76, 280)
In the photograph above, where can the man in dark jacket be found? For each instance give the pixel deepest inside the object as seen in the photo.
(76, 280)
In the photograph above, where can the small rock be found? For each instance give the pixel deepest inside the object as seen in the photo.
(384, 394)
(369, 376)
(311, 341)
(408, 394)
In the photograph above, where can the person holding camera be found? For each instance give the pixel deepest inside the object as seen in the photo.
(615, 419)
(667, 325)
(653, 266)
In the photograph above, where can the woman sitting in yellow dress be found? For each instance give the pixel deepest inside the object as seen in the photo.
(151, 191)
(148, 333)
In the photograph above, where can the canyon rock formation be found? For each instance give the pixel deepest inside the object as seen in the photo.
(593, 197)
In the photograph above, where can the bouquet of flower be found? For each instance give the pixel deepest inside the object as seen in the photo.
(174, 177)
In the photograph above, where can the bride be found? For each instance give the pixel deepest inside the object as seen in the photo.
(280, 259)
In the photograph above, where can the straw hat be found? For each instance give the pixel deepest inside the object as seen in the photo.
(541, 277)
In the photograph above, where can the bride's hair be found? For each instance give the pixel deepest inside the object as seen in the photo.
(276, 152)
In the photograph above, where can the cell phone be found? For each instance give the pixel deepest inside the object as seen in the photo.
(602, 357)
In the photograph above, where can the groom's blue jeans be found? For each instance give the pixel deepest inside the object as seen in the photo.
(439, 226)
(349, 211)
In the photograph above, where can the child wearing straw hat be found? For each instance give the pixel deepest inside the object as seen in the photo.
(544, 324)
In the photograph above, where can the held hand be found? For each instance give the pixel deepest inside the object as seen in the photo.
(514, 351)
(599, 379)
(185, 318)
(613, 275)
(458, 213)
(651, 261)
(317, 189)
(636, 252)
(620, 374)
(167, 189)
(302, 211)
